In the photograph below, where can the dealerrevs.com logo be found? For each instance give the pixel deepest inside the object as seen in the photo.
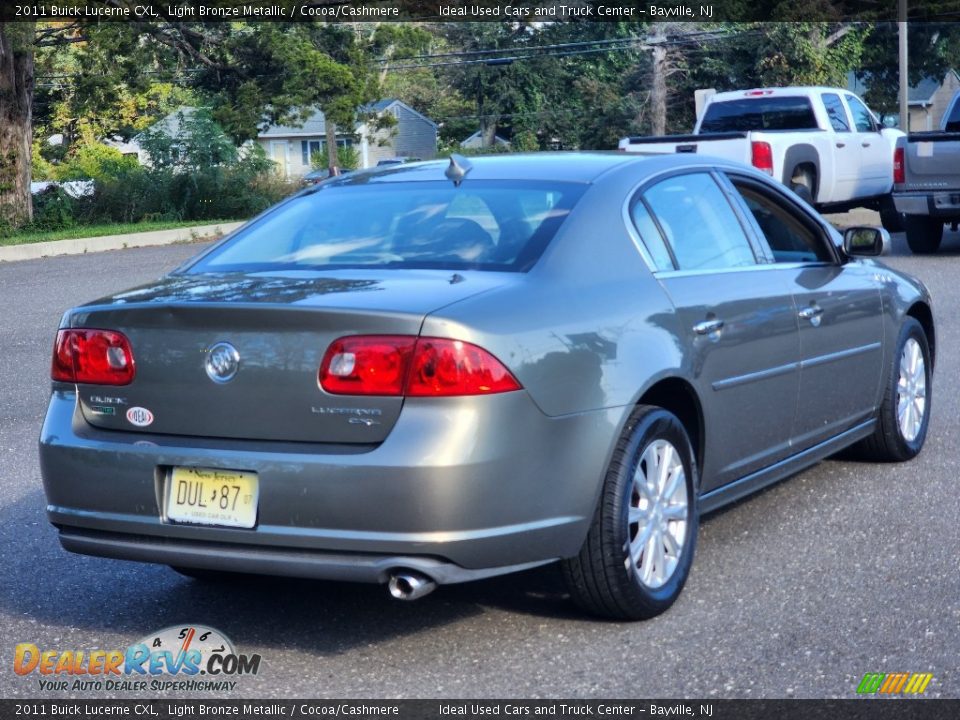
(181, 658)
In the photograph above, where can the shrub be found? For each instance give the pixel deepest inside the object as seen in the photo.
(53, 209)
(94, 161)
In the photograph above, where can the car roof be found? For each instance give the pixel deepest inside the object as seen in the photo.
(790, 91)
(575, 167)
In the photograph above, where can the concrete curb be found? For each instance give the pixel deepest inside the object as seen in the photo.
(32, 251)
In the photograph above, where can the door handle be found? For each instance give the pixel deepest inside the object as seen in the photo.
(812, 314)
(865, 144)
(841, 145)
(708, 327)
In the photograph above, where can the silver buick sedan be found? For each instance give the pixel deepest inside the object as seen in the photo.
(444, 371)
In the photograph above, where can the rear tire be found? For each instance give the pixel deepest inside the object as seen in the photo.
(924, 234)
(904, 414)
(890, 217)
(803, 183)
(640, 545)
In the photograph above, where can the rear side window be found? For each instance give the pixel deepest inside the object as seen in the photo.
(699, 224)
(836, 113)
(651, 237)
(760, 113)
(481, 225)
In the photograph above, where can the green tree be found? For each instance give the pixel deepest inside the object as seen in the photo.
(249, 73)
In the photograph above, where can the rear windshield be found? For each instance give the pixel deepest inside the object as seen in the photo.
(481, 225)
(761, 113)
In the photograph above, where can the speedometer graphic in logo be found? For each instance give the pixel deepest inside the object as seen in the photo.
(189, 649)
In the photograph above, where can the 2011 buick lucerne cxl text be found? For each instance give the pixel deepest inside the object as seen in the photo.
(444, 371)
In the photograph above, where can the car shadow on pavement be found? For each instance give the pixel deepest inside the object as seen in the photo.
(52, 587)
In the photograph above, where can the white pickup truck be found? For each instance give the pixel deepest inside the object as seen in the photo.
(825, 143)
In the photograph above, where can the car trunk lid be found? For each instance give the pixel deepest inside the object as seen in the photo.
(187, 331)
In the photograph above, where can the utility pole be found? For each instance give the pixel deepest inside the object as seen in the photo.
(658, 84)
(904, 75)
(331, 135)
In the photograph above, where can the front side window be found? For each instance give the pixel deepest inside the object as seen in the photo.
(862, 119)
(699, 224)
(789, 238)
(481, 225)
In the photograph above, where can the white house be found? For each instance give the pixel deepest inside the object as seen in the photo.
(293, 147)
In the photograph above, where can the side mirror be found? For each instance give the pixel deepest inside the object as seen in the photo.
(866, 241)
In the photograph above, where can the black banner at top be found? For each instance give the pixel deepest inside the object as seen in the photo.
(477, 10)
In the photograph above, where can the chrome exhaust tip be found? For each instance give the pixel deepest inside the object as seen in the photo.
(410, 585)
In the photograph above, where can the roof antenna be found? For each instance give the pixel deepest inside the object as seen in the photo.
(458, 169)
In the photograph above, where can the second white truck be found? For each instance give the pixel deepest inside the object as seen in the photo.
(823, 142)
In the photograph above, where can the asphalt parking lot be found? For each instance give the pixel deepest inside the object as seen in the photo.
(844, 569)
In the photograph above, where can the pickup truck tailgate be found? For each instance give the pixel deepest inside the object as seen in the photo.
(932, 161)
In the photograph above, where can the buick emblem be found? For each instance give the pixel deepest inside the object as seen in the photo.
(222, 362)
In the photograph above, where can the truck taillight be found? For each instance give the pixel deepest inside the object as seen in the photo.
(899, 174)
(415, 367)
(761, 155)
(97, 357)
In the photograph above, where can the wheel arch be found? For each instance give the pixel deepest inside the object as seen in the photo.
(798, 156)
(922, 313)
(678, 396)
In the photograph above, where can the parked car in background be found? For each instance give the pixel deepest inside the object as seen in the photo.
(384, 377)
(316, 176)
(824, 143)
(927, 181)
(397, 161)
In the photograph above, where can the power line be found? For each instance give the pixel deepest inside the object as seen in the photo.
(517, 48)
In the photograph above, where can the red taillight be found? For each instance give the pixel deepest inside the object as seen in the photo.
(373, 365)
(452, 367)
(899, 175)
(418, 367)
(97, 357)
(762, 156)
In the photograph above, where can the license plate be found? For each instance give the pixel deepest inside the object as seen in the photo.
(211, 496)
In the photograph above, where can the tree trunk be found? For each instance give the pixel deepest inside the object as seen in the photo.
(332, 160)
(658, 84)
(16, 122)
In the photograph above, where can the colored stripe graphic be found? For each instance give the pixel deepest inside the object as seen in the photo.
(893, 683)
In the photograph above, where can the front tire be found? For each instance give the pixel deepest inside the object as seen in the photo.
(905, 410)
(924, 234)
(640, 545)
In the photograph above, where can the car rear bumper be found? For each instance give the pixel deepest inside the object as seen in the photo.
(933, 204)
(461, 489)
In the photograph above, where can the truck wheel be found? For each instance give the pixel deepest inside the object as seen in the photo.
(802, 183)
(890, 217)
(923, 233)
